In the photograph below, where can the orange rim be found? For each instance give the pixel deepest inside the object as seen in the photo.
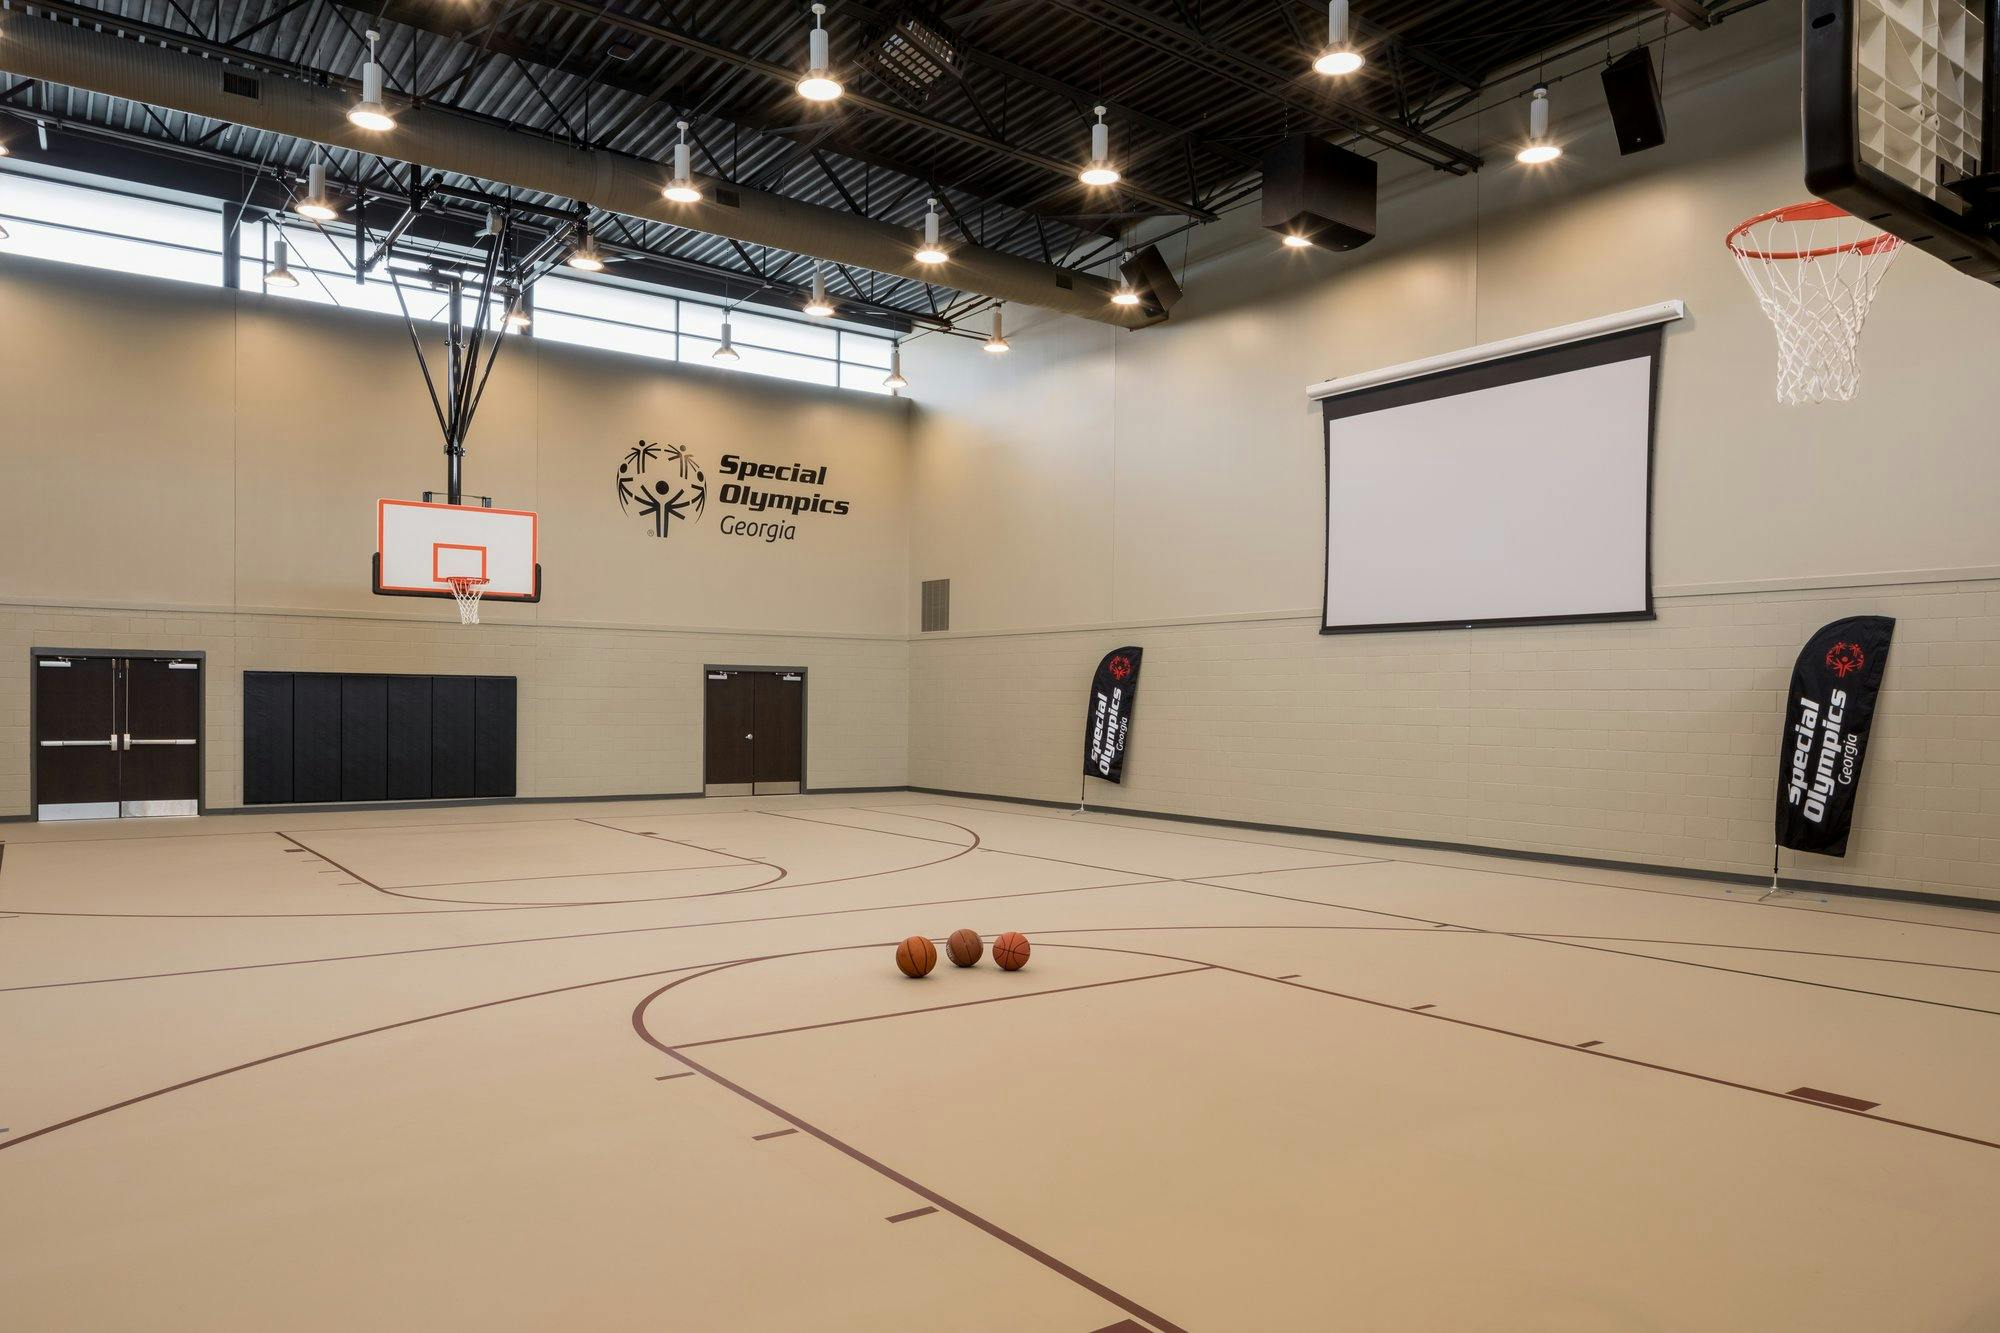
(1813, 210)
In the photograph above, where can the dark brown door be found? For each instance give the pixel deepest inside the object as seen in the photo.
(778, 753)
(76, 737)
(727, 769)
(159, 769)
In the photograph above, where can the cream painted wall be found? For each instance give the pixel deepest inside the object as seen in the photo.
(1190, 519)
(188, 469)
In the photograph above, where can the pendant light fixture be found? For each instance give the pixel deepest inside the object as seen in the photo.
(895, 378)
(1339, 57)
(930, 251)
(682, 189)
(1099, 171)
(817, 305)
(1298, 240)
(997, 343)
(370, 113)
(818, 85)
(280, 274)
(1125, 294)
(317, 205)
(586, 258)
(727, 351)
(1539, 148)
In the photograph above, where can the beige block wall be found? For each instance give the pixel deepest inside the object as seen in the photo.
(1190, 520)
(193, 470)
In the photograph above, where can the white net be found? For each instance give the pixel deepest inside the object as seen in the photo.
(1814, 269)
(465, 591)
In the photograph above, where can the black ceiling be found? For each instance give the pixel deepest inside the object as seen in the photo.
(1198, 90)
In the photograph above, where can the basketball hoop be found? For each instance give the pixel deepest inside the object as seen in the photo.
(465, 590)
(1814, 268)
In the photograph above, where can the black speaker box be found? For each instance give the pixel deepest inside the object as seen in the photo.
(1148, 272)
(1633, 89)
(1321, 192)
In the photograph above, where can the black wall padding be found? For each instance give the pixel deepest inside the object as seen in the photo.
(452, 702)
(315, 738)
(267, 737)
(409, 738)
(364, 738)
(493, 738)
(323, 737)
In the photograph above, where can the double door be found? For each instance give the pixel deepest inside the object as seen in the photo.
(116, 736)
(756, 721)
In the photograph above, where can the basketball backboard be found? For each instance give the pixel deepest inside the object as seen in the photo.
(419, 546)
(1900, 121)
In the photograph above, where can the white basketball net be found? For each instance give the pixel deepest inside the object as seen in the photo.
(1814, 269)
(465, 591)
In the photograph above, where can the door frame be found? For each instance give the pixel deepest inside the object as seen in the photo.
(805, 713)
(200, 710)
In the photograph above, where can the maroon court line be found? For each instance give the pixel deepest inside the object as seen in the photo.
(579, 935)
(934, 1009)
(881, 1168)
(1570, 943)
(1442, 865)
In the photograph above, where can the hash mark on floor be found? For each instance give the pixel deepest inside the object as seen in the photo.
(1586, 1045)
(1419, 1008)
(1832, 1099)
(774, 1134)
(914, 1212)
(685, 1073)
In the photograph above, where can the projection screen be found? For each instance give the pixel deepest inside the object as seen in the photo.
(1514, 490)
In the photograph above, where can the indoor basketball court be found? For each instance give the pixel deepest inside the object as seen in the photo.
(580, 580)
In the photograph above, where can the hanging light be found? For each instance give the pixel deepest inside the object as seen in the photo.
(818, 306)
(997, 343)
(682, 189)
(1339, 57)
(1539, 148)
(370, 113)
(317, 205)
(280, 274)
(726, 352)
(518, 318)
(5, 151)
(818, 85)
(1126, 293)
(895, 378)
(1298, 240)
(1099, 171)
(586, 257)
(931, 252)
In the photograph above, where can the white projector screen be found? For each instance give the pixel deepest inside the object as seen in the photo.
(1511, 491)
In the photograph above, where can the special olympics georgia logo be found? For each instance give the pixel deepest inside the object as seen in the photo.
(1845, 659)
(1120, 667)
(664, 483)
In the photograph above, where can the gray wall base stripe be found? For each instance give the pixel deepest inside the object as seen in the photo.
(1793, 883)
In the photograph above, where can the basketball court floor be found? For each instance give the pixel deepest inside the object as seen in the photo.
(651, 1065)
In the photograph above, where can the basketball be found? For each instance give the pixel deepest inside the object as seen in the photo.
(964, 946)
(917, 956)
(1011, 951)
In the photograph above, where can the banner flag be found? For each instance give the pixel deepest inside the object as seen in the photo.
(1832, 701)
(1113, 690)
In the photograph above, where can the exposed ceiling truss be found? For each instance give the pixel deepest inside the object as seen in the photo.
(1196, 92)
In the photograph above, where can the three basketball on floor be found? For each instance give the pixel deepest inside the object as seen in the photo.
(916, 956)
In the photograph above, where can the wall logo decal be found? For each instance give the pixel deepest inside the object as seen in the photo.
(663, 484)
(1845, 658)
(1120, 667)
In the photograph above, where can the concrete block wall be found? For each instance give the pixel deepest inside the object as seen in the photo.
(1653, 742)
(602, 711)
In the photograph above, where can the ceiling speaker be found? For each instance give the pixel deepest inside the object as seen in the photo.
(1633, 89)
(1323, 193)
(1148, 273)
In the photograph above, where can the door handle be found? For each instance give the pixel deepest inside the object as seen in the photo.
(129, 742)
(749, 736)
(113, 743)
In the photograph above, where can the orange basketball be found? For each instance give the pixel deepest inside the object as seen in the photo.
(917, 956)
(1011, 951)
(964, 946)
